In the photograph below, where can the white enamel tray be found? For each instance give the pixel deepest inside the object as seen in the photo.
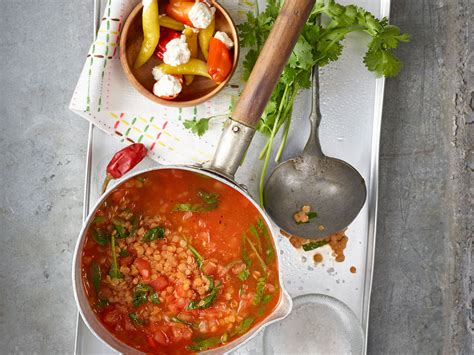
(351, 106)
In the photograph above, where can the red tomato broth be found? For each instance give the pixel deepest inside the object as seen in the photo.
(220, 224)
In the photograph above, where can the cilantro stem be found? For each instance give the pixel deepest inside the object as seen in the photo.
(287, 115)
(264, 150)
(260, 259)
(270, 144)
(284, 138)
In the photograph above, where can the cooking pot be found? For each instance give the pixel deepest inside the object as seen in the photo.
(235, 140)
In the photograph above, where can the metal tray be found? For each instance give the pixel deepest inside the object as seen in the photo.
(351, 100)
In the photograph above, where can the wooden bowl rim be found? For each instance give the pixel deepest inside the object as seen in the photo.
(170, 103)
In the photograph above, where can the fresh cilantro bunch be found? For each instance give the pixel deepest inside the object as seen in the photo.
(318, 45)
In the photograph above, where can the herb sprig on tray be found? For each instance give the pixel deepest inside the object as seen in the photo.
(318, 45)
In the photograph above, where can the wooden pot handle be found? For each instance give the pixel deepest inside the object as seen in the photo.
(271, 61)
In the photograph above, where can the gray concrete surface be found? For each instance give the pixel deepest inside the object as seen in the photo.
(43, 45)
(425, 223)
(424, 241)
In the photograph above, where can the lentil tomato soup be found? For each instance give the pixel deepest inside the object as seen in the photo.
(176, 262)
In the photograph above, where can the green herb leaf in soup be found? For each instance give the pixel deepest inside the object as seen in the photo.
(259, 291)
(99, 220)
(207, 301)
(100, 237)
(201, 344)
(243, 327)
(197, 256)
(154, 298)
(210, 202)
(182, 321)
(123, 252)
(119, 226)
(139, 298)
(135, 319)
(114, 269)
(144, 293)
(96, 277)
(102, 302)
(154, 234)
(244, 274)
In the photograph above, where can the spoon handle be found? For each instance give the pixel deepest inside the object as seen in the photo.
(271, 61)
(313, 146)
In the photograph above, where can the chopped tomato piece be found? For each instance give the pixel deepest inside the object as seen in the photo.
(143, 267)
(160, 283)
(209, 268)
(180, 292)
(112, 316)
(181, 332)
(151, 341)
(182, 303)
(161, 338)
(118, 195)
(86, 260)
(128, 325)
(126, 261)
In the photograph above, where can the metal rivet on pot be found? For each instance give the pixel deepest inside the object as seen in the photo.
(235, 129)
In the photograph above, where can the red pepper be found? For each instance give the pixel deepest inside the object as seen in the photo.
(123, 161)
(179, 11)
(219, 63)
(166, 35)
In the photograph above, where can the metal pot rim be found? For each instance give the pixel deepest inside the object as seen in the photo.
(282, 309)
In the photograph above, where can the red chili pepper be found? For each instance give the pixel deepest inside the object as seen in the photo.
(166, 35)
(219, 63)
(123, 161)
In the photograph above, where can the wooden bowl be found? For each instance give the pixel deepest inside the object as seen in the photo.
(201, 90)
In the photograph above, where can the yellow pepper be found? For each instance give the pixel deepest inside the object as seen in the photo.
(192, 40)
(171, 23)
(205, 36)
(193, 67)
(151, 33)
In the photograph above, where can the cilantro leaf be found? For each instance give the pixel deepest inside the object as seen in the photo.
(199, 126)
(383, 63)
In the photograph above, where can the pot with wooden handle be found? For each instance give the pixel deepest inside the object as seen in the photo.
(234, 142)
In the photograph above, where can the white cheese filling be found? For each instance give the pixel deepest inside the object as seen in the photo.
(167, 86)
(157, 73)
(177, 52)
(201, 15)
(224, 38)
(146, 3)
